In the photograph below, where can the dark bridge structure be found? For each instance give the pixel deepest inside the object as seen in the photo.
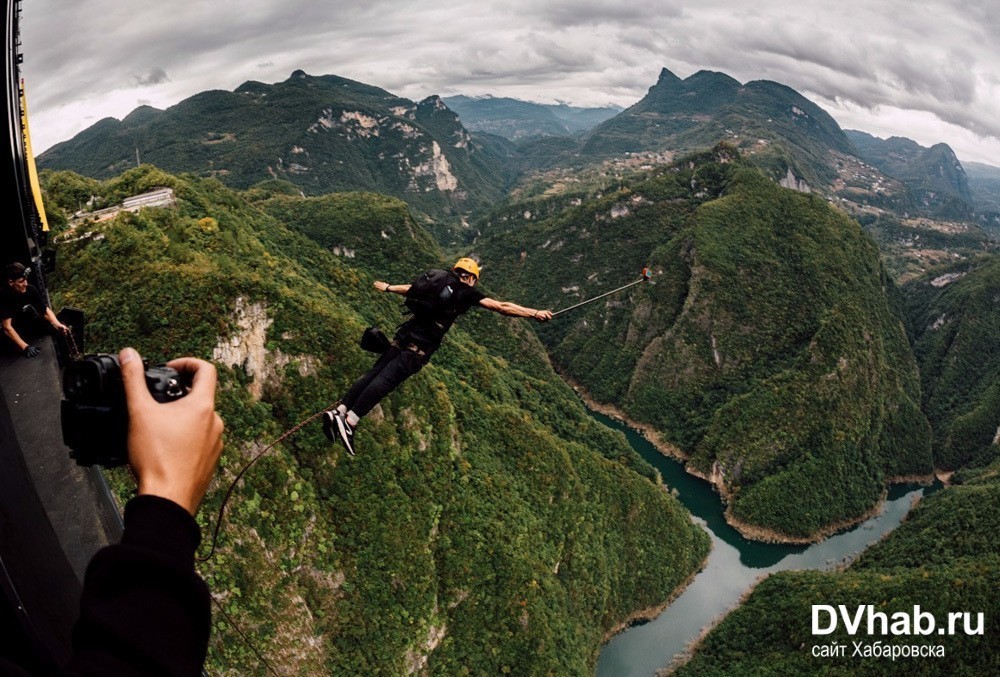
(54, 515)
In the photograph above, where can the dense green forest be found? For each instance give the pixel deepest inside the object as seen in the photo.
(955, 313)
(946, 556)
(769, 345)
(488, 525)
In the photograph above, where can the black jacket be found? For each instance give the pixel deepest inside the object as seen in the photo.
(144, 610)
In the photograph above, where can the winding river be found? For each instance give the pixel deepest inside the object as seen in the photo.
(733, 566)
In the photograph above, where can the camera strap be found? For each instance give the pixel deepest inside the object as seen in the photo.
(222, 509)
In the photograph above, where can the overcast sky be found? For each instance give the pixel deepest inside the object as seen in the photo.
(928, 70)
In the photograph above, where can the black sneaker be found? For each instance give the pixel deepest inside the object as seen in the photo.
(345, 431)
(328, 426)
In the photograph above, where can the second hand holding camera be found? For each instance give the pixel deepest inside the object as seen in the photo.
(94, 413)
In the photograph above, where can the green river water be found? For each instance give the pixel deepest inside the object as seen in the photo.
(733, 566)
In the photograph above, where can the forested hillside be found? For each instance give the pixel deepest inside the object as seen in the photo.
(946, 557)
(934, 175)
(984, 184)
(955, 314)
(779, 129)
(769, 346)
(487, 525)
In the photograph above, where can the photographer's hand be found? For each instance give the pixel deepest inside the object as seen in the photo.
(173, 447)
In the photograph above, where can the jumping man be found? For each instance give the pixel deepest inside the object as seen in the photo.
(437, 298)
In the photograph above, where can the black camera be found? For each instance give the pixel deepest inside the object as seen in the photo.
(94, 413)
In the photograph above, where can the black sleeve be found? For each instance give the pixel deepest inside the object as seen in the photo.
(34, 297)
(144, 609)
(7, 306)
(471, 298)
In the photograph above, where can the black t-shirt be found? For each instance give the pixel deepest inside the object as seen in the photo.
(427, 331)
(11, 302)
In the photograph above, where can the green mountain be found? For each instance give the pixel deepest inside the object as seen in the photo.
(934, 175)
(769, 347)
(517, 120)
(321, 133)
(487, 525)
(956, 327)
(775, 126)
(945, 557)
(984, 184)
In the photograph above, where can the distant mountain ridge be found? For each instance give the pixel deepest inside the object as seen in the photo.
(515, 119)
(328, 133)
(928, 172)
(708, 107)
(984, 184)
(322, 133)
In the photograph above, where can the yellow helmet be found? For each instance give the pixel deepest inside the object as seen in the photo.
(468, 265)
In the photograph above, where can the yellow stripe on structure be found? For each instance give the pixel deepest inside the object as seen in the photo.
(36, 189)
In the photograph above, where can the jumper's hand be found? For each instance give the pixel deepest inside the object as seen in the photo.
(381, 286)
(543, 315)
(174, 446)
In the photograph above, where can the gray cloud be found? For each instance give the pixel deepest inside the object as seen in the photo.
(939, 58)
(569, 13)
(155, 76)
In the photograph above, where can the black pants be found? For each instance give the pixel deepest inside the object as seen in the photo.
(391, 369)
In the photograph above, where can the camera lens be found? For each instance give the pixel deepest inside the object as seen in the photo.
(76, 383)
(93, 378)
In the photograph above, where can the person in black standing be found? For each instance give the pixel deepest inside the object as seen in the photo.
(437, 298)
(24, 313)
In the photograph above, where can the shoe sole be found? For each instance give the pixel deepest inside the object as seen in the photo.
(328, 426)
(345, 437)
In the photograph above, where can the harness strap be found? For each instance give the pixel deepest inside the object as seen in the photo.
(409, 347)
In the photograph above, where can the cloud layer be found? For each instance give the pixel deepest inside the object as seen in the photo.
(869, 64)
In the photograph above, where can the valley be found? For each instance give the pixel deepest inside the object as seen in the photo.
(821, 326)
